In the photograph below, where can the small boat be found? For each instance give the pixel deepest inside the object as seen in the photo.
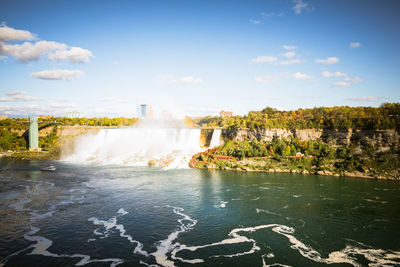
(49, 168)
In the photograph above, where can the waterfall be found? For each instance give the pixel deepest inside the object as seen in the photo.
(216, 138)
(166, 147)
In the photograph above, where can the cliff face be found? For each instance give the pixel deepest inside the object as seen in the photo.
(382, 139)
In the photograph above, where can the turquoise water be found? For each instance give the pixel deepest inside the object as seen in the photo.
(136, 216)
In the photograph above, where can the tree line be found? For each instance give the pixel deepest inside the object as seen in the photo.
(387, 116)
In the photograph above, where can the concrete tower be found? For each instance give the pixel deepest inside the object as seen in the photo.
(33, 134)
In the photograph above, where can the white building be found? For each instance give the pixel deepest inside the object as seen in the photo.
(73, 114)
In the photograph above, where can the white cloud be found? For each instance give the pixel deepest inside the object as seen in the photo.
(21, 110)
(264, 59)
(289, 47)
(254, 21)
(290, 62)
(19, 96)
(299, 6)
(281, 14)
(62, 104)
(347, 81)
(301, 76)
(73, 55)
(365, 98)
(10, 34)
(341, 84)
(328, 61)
(184, 80)
(289, 54)
(355, 45)
(56, 109)
(30, 52)
(33, 51)
(66, 75)
(354, 79)
(265, 79)
(267, 15)
(113, 99)
(334, 74)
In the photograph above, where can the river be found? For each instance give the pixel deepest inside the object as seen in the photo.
(108, 215)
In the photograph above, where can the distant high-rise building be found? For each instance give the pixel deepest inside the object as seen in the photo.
(223, 113)
(145, 111)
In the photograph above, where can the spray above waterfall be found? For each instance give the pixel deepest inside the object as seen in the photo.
(142, 146)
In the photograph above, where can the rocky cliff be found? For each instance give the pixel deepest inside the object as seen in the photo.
(383, 139)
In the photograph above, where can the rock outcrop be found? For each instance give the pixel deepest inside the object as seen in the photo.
(383, 139)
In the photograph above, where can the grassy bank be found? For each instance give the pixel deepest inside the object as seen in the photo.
(305, 157)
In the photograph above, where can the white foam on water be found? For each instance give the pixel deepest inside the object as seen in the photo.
(377, 257)
(42, 215)
(165, 246)
(4, 260)
(376, 201)
(122, 211)
(96, 232)
(234, 238)
(269, 256)
(19, 204)
(43, 244)
(266, 211)
(86, 260)
(150, 265)
(170, 147)
(222, 204)
(87, 184)
(83, 191)
(112, 224)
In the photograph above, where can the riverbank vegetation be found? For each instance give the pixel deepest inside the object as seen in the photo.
(104, 121)
(296, 156)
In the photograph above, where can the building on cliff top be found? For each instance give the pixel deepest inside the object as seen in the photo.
(224, 113)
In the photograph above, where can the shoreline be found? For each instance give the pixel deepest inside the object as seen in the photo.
(195, 164)
(30, 155)
(321, 173)
(293, 165)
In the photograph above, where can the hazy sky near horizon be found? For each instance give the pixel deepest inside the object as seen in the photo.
(194, 57)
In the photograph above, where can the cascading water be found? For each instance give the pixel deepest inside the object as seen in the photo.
(216, 138)
(167, 147)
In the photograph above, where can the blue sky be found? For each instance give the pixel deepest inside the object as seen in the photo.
(194, 57)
